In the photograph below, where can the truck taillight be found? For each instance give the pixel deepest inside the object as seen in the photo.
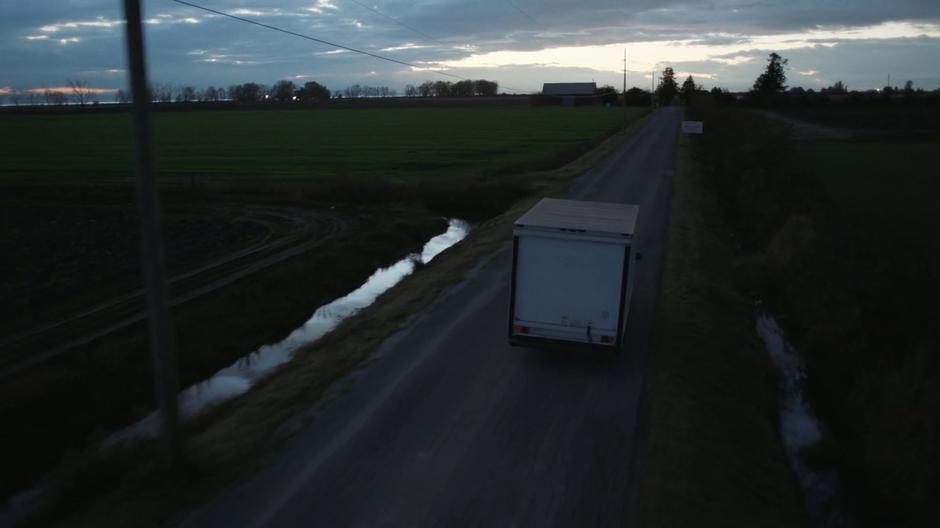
(607, 339)
(520, 329)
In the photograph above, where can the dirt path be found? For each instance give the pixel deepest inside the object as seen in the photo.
(805, 131)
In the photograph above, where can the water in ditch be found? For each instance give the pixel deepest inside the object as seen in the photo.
(237, 378)
(800, 428)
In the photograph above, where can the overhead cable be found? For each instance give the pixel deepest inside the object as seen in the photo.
(328, 43)
(318, 40)
(521, 12)
(393, 19)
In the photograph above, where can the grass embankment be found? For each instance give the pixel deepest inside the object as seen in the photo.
(384, 144)
(118, 488)
(712, 455)
(843, 241)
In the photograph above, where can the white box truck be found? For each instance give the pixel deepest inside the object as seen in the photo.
(571, 274)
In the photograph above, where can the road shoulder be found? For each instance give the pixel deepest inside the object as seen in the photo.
(712, 455)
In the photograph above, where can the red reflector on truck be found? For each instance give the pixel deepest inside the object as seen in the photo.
(519, 329)
(607, 339)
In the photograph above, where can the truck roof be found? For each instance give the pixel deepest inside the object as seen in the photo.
(576, 215)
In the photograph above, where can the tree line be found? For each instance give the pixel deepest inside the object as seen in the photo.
(76, 91)
(770, 87)
(466, 88)
(283, 91)
(250, 92)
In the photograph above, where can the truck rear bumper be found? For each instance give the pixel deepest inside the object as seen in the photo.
(544, 343)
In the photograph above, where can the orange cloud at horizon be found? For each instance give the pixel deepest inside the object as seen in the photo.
(68, 90)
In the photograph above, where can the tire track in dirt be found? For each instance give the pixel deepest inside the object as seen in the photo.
(41, 343)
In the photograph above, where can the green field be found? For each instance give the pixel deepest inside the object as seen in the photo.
(884, 177)
(397, 144)
(860, 289)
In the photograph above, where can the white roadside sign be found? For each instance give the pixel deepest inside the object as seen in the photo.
(693, 127)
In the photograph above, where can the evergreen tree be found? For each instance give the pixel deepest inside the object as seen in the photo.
(668, 88)
(774, 78)
(688, 88)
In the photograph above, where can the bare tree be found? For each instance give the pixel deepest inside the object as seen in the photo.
(161, 93)
(246, 93)
(212, 94)
(54, 97)
(353, 91)
(121, 96)
(186, 94)
(80, 90)
(461, 89)
(484, 87)
(837, 88)
(283, 91)
(16, 97)
(165, 94)
(442, 88)
(313, 91)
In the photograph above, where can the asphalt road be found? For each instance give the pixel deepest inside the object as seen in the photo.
(455, 427)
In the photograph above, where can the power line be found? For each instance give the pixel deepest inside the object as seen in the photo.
(333, 44)
(521, 12)
(393, 19)
(318, 40)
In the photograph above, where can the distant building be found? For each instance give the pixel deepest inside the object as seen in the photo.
(569, 92)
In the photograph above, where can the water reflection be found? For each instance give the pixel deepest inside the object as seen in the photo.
(237, 378)
(799, 426)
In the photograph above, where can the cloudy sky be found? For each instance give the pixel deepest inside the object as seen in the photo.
(520, 43)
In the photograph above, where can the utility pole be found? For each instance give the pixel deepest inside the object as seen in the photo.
(624, 90)
(162, 345)
(653, 87)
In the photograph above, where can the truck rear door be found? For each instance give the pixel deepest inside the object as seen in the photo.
(569, 288)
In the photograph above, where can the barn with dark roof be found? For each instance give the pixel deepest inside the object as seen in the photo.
(569, 92)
